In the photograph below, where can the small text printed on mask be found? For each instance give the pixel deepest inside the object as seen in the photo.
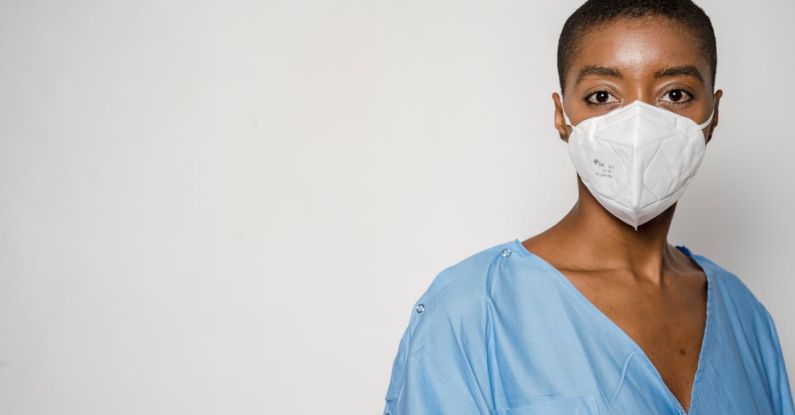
(602, 169)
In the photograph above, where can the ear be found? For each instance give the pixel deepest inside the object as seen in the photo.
(714, 123)
(560, 122)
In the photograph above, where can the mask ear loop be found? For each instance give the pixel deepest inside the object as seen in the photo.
(706, 123)
(569, 125)
(566, 118)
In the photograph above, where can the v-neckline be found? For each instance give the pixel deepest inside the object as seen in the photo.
(616, 328)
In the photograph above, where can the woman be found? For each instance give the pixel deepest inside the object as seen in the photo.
(599, 314)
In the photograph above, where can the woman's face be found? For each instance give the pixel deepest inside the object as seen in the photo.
(648, 59)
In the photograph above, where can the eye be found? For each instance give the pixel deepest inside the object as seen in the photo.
(600, 98)
(677, 96)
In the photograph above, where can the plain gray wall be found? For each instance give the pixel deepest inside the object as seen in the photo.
(226, 207)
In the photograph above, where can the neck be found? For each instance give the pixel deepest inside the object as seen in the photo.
(607, 242)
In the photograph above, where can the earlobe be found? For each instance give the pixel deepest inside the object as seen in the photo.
(560, 121)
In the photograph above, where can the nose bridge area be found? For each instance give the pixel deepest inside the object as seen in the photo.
(639, 85)
(637, 91)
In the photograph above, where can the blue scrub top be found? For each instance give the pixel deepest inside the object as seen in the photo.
(504, 332)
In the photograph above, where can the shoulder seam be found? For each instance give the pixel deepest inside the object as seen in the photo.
(450, 268)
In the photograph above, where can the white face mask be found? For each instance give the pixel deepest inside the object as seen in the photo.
(637, 160)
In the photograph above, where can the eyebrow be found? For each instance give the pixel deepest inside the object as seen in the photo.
(688, 70)
(598, 70)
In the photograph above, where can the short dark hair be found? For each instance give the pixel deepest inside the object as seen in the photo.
(597, 12)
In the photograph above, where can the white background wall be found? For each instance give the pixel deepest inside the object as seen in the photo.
(230, 207)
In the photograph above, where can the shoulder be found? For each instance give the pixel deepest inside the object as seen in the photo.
(455, 298)
(465, 280)
(748, 321)
(441, 351)
(728, 281)
(735, 295)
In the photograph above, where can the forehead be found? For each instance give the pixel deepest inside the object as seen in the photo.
(638, 47)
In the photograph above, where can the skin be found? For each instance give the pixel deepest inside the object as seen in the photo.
(648, 288)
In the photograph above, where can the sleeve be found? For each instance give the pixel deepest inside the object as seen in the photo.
(440, 367)
(781, 393)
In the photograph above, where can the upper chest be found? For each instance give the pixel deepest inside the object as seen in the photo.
(667, 323)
